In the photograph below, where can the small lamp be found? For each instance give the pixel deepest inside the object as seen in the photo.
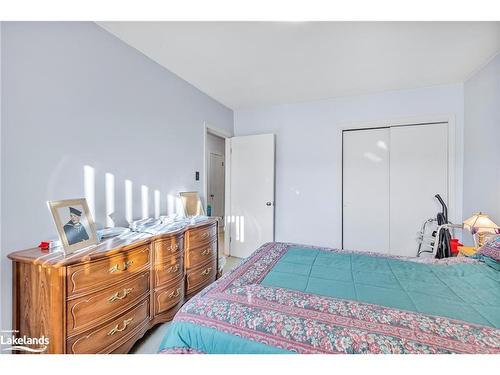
(479, 225)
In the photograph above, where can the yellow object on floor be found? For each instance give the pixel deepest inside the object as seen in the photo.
(466, 250)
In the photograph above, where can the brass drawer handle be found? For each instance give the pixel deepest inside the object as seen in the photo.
(206, 251)
(116, 296)
(116, 267)
(116, 329)
(173, 268)
(174, 248)
(207, 271)
(175, 293)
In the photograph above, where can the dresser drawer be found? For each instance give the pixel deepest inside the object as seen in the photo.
(166, 248)
(167, 297)
(90, 310)
(92, 276)
(200, 236)
(168, 271)
(198, 278)
(201, 254)
(105, 338)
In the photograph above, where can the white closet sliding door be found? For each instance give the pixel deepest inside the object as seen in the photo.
(419, 170)
(366, 190)
(390, 177)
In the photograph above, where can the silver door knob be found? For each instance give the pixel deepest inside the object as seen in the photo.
(269, 203)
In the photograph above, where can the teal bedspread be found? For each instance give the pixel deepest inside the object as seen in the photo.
(291, 298)
(469, 292)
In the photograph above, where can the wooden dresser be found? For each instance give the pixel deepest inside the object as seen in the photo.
(104, 299)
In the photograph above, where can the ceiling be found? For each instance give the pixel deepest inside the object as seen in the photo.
(250, 64)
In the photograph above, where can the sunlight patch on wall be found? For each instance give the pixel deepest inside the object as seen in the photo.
(237, 228)
(242, 229)
(157, 204)
(107, 194)
(128, 201)
(145, 201)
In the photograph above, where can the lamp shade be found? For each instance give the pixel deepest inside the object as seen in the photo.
(480, 223)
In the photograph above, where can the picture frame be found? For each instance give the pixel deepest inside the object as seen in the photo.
(74, 224)
(192, 203)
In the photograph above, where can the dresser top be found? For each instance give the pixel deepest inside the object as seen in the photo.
(105, 248)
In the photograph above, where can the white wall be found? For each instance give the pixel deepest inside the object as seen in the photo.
(308, 152)
(482, 142)
(75, 95)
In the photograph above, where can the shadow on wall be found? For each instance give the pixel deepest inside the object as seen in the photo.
(120, 212)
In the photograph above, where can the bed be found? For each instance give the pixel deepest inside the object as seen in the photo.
(289, 298)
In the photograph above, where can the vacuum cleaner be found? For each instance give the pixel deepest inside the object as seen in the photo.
(439, 242)
(443, 249)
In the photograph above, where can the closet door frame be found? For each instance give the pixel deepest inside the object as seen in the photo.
(454, 210)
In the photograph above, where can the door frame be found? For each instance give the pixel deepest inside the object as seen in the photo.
(211, 129)
(454, 208)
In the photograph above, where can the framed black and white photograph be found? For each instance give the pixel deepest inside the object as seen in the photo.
(74, 224)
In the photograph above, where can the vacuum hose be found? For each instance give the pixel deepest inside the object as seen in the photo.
(445, 209)
(444, 248)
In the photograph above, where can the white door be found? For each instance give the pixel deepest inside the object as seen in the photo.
(419, 170)
(251, 193)
(216, 184)
(365, 191)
